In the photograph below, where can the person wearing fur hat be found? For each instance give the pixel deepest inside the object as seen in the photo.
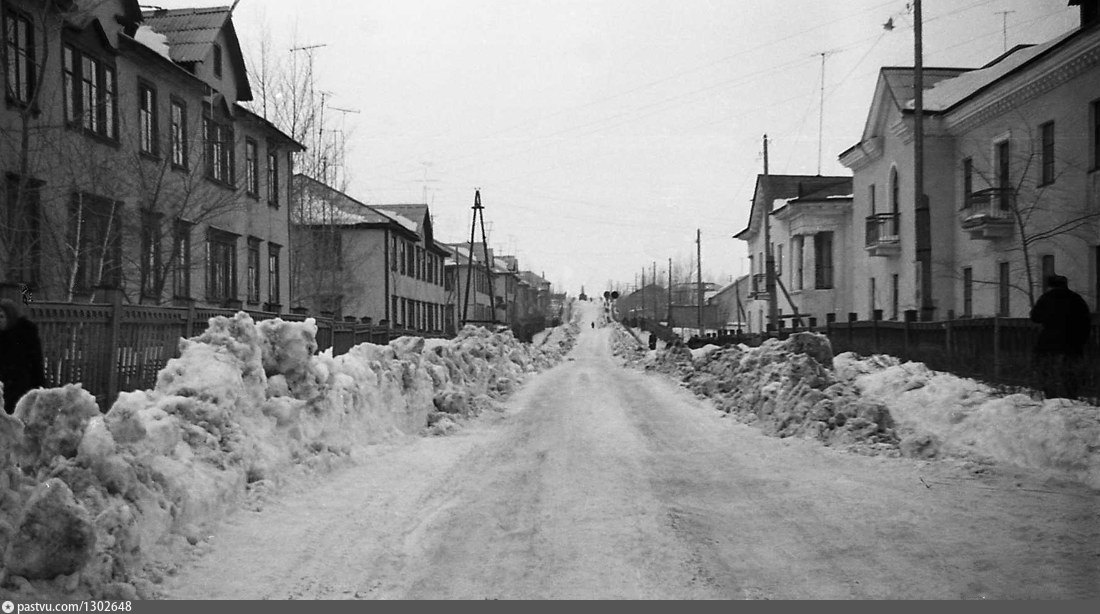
(21, 366)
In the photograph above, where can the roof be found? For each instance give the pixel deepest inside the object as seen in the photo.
(950, 92)
(192, 31)
(331, 206)
(770, 188)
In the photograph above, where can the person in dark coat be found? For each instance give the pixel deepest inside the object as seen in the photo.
(1066, 321)
(21, 365)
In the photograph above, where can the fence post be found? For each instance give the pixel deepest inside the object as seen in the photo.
(876, 315)
(996, 347)
(114, 296)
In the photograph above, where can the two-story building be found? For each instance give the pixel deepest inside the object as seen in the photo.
(808, 219)
(379, 262)
(469, 291)
(129, 161)
(1010, 160)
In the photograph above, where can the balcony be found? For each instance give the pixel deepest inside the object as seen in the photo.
(987, 214)
(882, 235)
(759, 287)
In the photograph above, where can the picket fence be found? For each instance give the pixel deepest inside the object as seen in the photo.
(116, 347)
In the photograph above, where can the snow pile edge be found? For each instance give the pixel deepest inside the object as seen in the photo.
(86, 498)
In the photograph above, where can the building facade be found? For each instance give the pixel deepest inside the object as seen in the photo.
(129, 161)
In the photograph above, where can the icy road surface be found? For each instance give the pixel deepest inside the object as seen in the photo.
(604, 482)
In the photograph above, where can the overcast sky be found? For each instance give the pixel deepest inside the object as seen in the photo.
(602, 133)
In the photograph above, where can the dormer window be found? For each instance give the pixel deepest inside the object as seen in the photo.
(217, 60)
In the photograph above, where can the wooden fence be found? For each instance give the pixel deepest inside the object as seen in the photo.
(996, 350)
(117, 347)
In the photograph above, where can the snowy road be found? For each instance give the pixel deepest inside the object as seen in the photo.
(603, 482)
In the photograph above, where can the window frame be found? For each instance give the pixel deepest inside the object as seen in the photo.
(151, 255)
(178, 141)
(95, 209)
(221, 249)
(274, 268)
(219, 148)
(148, 119)
(26, 58)
(272, 176)
(217, 60)
(252, 271)
(181, 253)
(1046, 153)
(824, 268)
(252, 168)
(79, 89)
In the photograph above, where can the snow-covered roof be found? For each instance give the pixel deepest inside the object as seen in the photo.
(152, 39)
(949, 92)
(405, 222)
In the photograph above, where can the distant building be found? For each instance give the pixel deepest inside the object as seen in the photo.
(367, 261)
(810, 220)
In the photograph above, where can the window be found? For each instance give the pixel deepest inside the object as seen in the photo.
(19, 57)
(147, 119)
(251, 169)
(393, 253)
(448, 283)
(273, 292)
(181, 269)
(1046, 135)
(272, 176)
(968, 292)
(1004, 180)
(1047, 263)
(94, 231)
(778, 262)
(871, 197)
(218, 147)
(253, 270)
(798, 247)
(871, 290)
(217, 60)
(150, 255)
(1002, 289)
(823, 260)
(221, 266)
(179, 134)
(23, 221)
(393, 310)
(90, 93)
(968, 179)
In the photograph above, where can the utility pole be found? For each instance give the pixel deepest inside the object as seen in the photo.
(479, 213)
(670, 293)
(821, 112)
(769, 257)
(699, 278)
(656, 318)
(923, 216)
(643, 292)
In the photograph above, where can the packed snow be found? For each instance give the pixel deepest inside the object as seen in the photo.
(880, 405)
(87, 499)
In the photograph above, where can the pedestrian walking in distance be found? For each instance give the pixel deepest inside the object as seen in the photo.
(21, 367)
(1065, 318)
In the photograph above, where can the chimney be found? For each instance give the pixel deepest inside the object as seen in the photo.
(1090, 11)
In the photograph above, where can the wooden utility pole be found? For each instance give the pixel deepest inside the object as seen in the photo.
(699, 278)
(922, 211)
(670, 293)
(479, 214)
(769, 257)
(653, 276)
(643, 292)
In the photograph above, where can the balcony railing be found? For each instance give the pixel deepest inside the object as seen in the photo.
(987, 214)
(883, 234)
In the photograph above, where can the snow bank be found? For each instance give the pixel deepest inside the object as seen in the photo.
(956, 416)
(87, 498)
(787, 388)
